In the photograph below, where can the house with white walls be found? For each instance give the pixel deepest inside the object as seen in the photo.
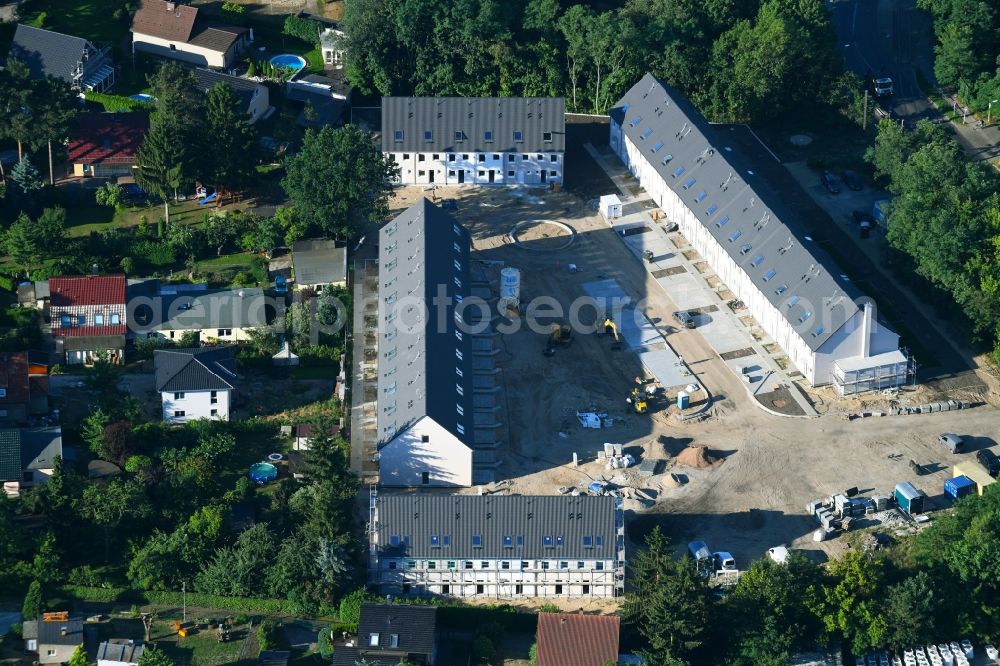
(437, 406)
(497, 546)
(178, 31)
(195, 383)
(827, 327)
(169, 312)
(475, 140)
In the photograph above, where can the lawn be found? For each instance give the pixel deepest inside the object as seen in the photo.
(201, 647)
(103, 22)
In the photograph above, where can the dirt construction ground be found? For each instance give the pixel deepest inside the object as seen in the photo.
(768, 467)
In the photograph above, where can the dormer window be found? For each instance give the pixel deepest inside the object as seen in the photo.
(782, 288)
(488, 136)
(733, 237)
(646, 133)
(636, 121)
(688, 183)
(678, 171)
(518, 136)
(770, 274)
(757, 261)
(398, 136)
(547, 137)
(746, 247)
(701, 197)
(657, 146)
(428, 136)
(805, 315)
(667, 158)
(722, 221)
(459, 136)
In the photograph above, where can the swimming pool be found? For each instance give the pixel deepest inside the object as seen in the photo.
(289, 61)
(143, 97)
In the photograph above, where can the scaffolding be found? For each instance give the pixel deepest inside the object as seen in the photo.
(853, 376)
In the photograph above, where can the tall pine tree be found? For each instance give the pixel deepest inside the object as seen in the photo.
(230, 164)
(161, 157)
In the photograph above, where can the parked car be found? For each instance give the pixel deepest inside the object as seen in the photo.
(951, 441)
(724, 561)
(830, 183)
(699, 550)
(990, 461)
(779, 554)
(684, 318)
(852, 180)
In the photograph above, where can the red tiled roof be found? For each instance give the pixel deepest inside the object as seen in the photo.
(88, 331)
(107, 138)
(87, 290)
(566, 639)
(14, 378)
(167, 20)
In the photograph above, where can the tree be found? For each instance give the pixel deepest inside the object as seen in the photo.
(669, 603)
(103, 378)
(324, 643)
(32, 606)
(349, 611)
(109, 505)
(332, 564)
(25, 184)
(236, 571)
(910, 609)
(339, 178)
(110, 195)
(482, 649)
(45, 565)
(116, 442)
(154, 656)
(17, 118)
(92, 430)
(230, 162)
(161, 167)
(261, 234)
(57, 106)
(851, 604)
(79, 657)
(29, 243)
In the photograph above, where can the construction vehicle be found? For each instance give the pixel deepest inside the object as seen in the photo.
(611, 328)
(561, 334)
(638, 401)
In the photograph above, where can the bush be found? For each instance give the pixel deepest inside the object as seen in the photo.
(106, 595)
(269, 635)
(154, 254)
(117, 103)
(482, 649)
(258, 267)
(56, 369)
(302, 28)
(350, 606)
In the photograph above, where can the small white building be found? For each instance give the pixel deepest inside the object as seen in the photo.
(475, 140)
(331, 43)
(497, 546)
(825, 325)
(195, 383)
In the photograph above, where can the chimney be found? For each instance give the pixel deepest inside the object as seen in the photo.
(866, 330)
(171, 6)
(62, 631)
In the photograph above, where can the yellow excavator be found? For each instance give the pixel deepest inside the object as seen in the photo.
(638, 401)
(611, 328)
(561, 334)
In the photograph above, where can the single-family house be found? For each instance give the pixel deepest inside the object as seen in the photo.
(575, 639)
(75, 60)
(318, 263)
(119, 652)
(27, 457)
(24, 386)
(218, 315)
(475, 140)
(390, 633)
(106, 144)
(53, 636)
(177, 31)
(497, 546)
(253, 95)
(195, 383)
(304, 434)
(87, 317)
(327, 94)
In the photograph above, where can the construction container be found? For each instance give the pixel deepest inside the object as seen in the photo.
(959, 486)
(909, 498)
(881, 502)
(976, 472)
(683, 400)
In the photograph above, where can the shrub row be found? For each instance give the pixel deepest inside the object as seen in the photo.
(117, 103)
(126, 595)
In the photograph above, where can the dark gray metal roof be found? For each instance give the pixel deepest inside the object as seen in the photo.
(120, 650)
(246, 307)
(470, 118)
(319, 262)
(40, 446)
(48, 53)
(746, 218)
(423, 252)
(414, 625)
(206, 369)
(60, 633)
(549, 527)
(244, 89)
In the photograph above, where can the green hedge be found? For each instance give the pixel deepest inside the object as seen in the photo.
(302, 28)
(117, 103)
(160, 598)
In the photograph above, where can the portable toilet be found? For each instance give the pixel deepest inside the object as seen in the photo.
(909, 498)
(683, 400)
(959, 486)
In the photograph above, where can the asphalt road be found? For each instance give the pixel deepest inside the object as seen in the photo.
(888, 38)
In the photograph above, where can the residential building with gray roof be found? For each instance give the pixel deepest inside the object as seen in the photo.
(475, 140)
(195, 383)
(825, 325)
(436, 404)
(497, 546)
(78, 62)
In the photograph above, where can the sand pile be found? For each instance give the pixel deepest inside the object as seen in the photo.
(697, 457)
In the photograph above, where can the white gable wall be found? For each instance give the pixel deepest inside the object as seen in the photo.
(195, 405)
(443, 457)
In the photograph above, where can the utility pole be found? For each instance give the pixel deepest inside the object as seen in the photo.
(864, 119)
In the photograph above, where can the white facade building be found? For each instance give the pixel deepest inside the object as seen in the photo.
(177, 31)
(827, 328)
(497, 546)
(475, 140)
(195, 383)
